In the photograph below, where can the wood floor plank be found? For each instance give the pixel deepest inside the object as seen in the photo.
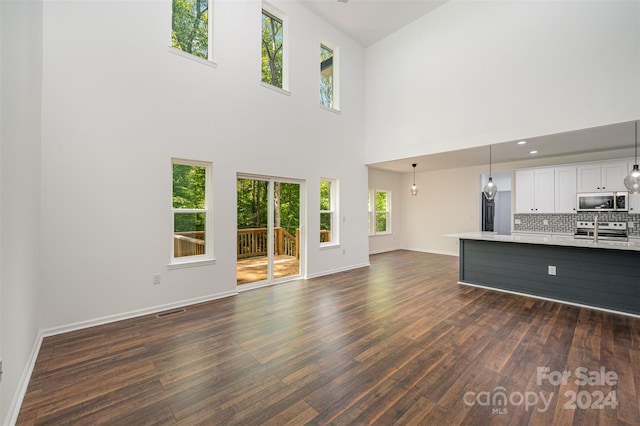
(399, 342)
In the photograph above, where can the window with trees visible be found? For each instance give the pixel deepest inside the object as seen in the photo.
(379, 212)
(273, 49)
(191, 206)
(326, 76)
(328, 211)
(190, 27)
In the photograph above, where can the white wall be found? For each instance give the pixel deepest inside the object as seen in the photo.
(474, 73)
(389, 181)
(117, 105)
(20, 84)
(448, 202)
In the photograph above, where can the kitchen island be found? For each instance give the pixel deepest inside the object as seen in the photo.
(603, 274)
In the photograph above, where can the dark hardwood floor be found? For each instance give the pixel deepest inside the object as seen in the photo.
(399, 342)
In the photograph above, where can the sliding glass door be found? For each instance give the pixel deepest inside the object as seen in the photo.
(268, 234)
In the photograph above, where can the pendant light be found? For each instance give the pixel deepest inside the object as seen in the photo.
(632, 181)
(414, 188)
(490, 189)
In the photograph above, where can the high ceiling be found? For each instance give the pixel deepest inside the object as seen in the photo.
(368, 21)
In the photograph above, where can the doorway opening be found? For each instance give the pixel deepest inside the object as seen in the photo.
(496, 214)
(269, 237)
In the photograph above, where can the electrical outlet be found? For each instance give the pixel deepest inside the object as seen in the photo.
(552, 270)
(156, 279)
(545, 222)
(630, 225)
(518, 222)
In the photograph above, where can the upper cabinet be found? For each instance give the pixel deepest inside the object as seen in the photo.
(565, 189)
(535, 191)
(602, 177)
(554, 189)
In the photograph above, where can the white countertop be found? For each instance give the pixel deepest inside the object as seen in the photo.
(632, 244)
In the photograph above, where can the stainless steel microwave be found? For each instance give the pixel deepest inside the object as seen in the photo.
(603, 201)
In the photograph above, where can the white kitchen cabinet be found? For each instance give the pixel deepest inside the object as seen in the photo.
(524, 191)
(535, 191)
(565, 189)
(601, 177)
(613, 175)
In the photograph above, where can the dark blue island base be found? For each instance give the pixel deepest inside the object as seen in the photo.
(600, 278)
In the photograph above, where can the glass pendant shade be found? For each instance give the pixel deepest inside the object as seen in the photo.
(632, 181)
(414, 188)
(490, 190)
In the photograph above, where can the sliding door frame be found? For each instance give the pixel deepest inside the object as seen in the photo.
(270, 230)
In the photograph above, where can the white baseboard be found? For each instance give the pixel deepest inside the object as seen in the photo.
(133, 314)
(446, 253)
(387, 250)
(18, 397)
(335, 271)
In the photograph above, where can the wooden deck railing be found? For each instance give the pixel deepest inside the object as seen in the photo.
(325, 236)
(188, 243)
(253, 242)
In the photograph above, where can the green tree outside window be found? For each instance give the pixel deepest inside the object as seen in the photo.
(190, 27)
(189, 193)
(272, 61)
(381, 211)
(326, 76)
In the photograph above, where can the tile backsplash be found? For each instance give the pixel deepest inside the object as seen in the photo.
(566, 223)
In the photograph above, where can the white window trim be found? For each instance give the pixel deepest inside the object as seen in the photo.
(333, 204)
(275, 88)
(194, 58)
(207, 258)
(335, 111)
(209, 61)
(271, 9)
(373, 212)
(336, 76)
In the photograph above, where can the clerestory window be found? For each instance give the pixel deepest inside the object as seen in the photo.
(274, 48)
(190, 30)
(328, 77)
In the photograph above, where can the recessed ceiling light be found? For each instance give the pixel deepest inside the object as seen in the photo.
(533, 152)
(522, 142)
